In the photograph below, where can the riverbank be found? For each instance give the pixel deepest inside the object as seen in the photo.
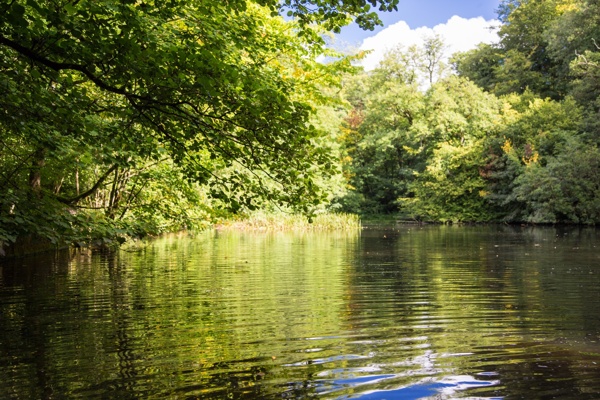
(257, 221)
(283, 222)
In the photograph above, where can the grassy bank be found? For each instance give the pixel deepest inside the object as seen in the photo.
(257, 221)
(280, 222)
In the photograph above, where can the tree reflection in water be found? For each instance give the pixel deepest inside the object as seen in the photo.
(487, 312)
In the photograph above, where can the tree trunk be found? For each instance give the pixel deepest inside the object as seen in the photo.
(35, 171)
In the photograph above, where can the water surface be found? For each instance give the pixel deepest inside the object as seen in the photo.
(406, 312)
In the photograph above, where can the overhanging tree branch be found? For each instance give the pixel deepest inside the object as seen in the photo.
(59, 66)
(91, 191)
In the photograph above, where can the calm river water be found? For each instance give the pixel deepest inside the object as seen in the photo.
(400, 313)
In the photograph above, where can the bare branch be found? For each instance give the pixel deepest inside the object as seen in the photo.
(91, 191)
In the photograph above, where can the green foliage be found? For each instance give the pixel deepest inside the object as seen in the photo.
(381, 140)
(528, 64)
(566, 189)
(152, 117)
(538, 122)
(526, 57)
(451, 188)
(458, 111)
(122, 119)
(417, 153)
(333, 14)
(456, 153)
(480, 65)
(55, 222)
(540, 139)
(586, 68)
(420, 64)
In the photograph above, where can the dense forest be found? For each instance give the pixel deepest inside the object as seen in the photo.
(507, 132)
(123, 118)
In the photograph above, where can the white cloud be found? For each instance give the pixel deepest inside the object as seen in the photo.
(459, 34)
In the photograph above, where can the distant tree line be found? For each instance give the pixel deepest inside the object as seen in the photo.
(511, 136)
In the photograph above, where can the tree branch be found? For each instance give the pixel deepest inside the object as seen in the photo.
(91, 191)
(58, 66)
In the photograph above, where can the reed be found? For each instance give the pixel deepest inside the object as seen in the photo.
(266, 221)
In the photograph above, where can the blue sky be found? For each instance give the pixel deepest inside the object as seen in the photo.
(428, 13)
(462, 25)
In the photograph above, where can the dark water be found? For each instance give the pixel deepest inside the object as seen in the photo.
(407, 313)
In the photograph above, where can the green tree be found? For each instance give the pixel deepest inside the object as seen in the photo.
(574, 40)
(529, 64)
(523, 60)
(98, 94)
(431, 61)
(421, 64)
(534, 134)
(479, 65)
(451, 186)
(565, 189)
(380, 141)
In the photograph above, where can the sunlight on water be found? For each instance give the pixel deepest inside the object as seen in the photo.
(403, 313)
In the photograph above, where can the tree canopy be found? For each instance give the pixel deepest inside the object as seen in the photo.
(100, 96)
(512, 138)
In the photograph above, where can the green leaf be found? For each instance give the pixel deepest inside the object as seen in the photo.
(70, 9)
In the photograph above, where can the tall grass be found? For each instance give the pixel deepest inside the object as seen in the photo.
(262, 220)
